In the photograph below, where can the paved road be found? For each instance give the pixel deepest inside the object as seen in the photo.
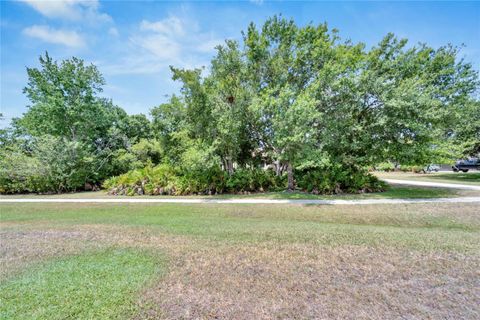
(434, 184)
(247, 201)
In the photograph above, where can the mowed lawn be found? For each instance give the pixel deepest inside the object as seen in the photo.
(211, 261)
(392, 192)
(471, 178)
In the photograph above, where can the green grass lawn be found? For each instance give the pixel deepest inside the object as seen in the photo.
(392, 192)
(149, 261)
(97, 285)
(472, 177)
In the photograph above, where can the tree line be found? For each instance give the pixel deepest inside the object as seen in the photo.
(292, 106)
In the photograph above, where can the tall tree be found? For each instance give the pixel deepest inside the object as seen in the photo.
(229, 99)
(64, 100)
(305, 99)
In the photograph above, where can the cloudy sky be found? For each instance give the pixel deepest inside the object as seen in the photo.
(134, 42)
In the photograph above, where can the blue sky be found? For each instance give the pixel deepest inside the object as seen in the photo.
(134, 42)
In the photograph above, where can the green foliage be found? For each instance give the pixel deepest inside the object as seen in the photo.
(54, 165)
(338, 179)
(71, 139)
(64, 101)
(292, 94)
(18, 172)
(136, 127)
(412, 168)
(385, 166)
(297, 99)
(164, 179)
(147, 151)
(161, 179)
(466, 133)
(254, 180)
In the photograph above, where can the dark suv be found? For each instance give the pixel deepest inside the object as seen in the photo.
(465, 165)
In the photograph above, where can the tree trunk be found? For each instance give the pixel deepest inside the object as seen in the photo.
(278, 168)
(229, 165)
(291, 182)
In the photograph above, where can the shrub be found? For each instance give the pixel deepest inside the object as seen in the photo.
(18, 172)
(53, 165)
(253, 180)
(338, 179)
(149, 180)
(415, 169)
(166, 180)
(385, 166)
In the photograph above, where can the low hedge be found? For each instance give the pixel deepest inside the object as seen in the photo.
(338, 179)
(414, 169)
(166, 180)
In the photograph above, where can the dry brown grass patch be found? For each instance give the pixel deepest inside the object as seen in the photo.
(306, 282)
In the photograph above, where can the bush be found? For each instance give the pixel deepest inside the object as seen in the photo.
(18, 172)
(166, 180)
(385, 166)
(253, 180)
(149, 180)
(338, 179)
(415, 169)
(52, 165)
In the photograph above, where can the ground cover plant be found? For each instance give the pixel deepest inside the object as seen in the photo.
(242, 261)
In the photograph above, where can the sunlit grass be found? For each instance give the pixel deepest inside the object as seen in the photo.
(416, 226)
(394, 191)
(99, 285)
(471, 177)
(70, 275)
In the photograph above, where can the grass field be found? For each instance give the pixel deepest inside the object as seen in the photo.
(211, 261)
(472, 177)
(394, 191)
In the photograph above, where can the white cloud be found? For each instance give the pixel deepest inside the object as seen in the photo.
(162, 41)
(157, 44)
(173, 38)
(57, 36)
(113, 31)
(86, 10)
(161, 46)
(141, 64)
(172, 25)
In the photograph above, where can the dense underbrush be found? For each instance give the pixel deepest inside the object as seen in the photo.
(166, 180)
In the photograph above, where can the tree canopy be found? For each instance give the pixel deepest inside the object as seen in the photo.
(298, 100)
(301, 97)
